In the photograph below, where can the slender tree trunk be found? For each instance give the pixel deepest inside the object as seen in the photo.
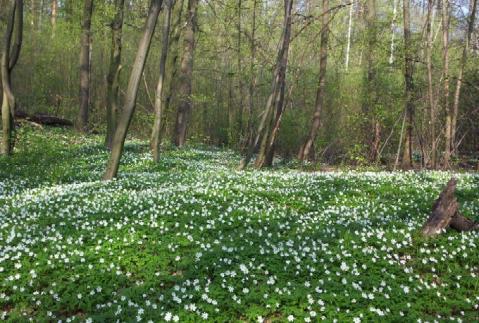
(457, 93)
(240, 70)
(85, 67)
(172, 71)
(409, 88)
(186, 76)
(447, 108)
(371, 124)
(10, 55)
(393, 30)
(54, 15)
(430, 86)
(132, 91)
(252, 83)
(113, 85)
(350, 27)
(266, 152)
(306, 149)
(155, 137)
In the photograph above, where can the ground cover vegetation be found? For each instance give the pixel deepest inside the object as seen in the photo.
(191, 238)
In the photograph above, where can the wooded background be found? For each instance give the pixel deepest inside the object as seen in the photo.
(378, 78)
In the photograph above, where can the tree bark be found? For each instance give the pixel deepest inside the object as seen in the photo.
(409, 88)
(305, 151)
(393, 27)
(350, 27)
(113, 86)
(155, 136)
(85, 67)
(186, 76)
(10, 55)
(457, 94)
(132, 91)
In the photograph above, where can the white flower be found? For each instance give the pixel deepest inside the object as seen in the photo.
(290, 318)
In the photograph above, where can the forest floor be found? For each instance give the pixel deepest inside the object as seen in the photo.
(192, 238)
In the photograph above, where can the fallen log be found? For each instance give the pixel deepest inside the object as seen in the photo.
(43, 119)
(445, 213)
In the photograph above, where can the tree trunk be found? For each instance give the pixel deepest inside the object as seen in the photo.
(240, 71)
(457, 94)
(155, 137)
(10, 55)
(447, 108)
(305, 152)
(409, 88)
(393, 28)
(85, 66)
(252, 83)
(53, 17)
(445, 213)
(350, 27)
(266, 151)
(132, 91)
(113, 85)
(186, 76)
(370, 123)
(430, 86)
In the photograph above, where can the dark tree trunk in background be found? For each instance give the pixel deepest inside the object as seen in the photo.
(132, 91)
(85, 66)
(307, 147)
(372, 127)
(155, 137)
(409, 88)
(446, 105)
(10, 55)
(113, 86)
(186, 76)
(457, 94)
(269, 125)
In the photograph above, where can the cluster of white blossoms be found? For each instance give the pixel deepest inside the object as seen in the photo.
(192, 239)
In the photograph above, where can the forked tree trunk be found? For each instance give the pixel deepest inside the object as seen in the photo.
(85, 66)
(155, 136)
(275, 110)
(10, 55)
(113, 86)
(445, 213)
(186, 76)
(305, 151)
(132, 91)
(457, 94)
(409, 88)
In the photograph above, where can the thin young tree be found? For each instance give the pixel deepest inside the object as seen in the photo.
(446, 105)
(409, 88)
(186, 75)
(113, 78)
(457, 93)
(308, 147)
(156, 134)
(85, 66)
(11, 52)
(132, 91)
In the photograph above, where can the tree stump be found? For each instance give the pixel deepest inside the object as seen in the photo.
(445, 213)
